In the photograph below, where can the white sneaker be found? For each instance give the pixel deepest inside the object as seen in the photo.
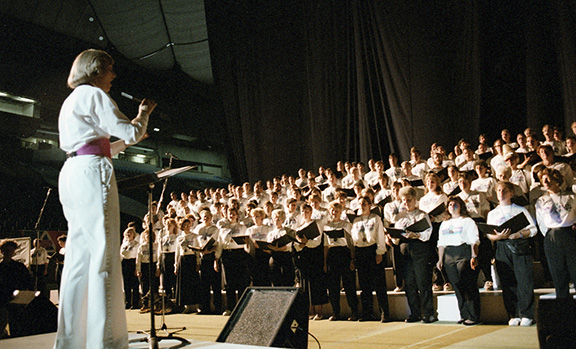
(514, 321)
(526, 322)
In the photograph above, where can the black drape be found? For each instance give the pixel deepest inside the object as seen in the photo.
(308, 83)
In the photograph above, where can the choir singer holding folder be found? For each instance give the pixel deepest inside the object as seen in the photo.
(514, 260)
(556, 215)
(89, 198)
(418, 261)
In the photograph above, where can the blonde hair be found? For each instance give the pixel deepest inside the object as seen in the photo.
(279, 213)
(88, 66)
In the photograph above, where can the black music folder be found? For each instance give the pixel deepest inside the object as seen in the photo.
(311, 231)
(207, 245)
(515, 224)
(384, 201)
(416, 183)
(417, 227)
(240, 239)
(455, 191)
(335, 234)
(438, 210)
(279, 242)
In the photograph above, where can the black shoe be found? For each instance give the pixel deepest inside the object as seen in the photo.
(461, 321)
(367, 317)
(412, 319)
(353, 317)
(429, 319)
(470, 323)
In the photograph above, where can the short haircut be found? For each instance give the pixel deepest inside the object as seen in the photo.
(553, 174)
(87, 66)
(335, 205)
(482, 163)
(407, 191)
(279, 213)
(8, 244)
(258, 212)
(509, 186)
(546, 147)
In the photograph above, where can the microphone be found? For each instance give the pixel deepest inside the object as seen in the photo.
(172, 156)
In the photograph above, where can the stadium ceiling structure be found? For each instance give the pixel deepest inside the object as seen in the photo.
(155, 34)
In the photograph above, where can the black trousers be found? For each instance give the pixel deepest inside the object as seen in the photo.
(261, 269)
(210, 279)
(371, 277)
(310, 263)
(236, 270)
(516, 274)
(282, 269)
(339, 273)
(39, 279)
(463, 280)
(418, 282)
(187, 281)
(131, 294)
(398, 261)
(145, 279)
(560, 248)
(168, 276)
(485, 255)
(437, 275)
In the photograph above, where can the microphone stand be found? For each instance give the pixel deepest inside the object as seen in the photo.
(162, 291)
(38, 238)
(149, 180)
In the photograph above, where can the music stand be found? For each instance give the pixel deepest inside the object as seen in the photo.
(149, 180)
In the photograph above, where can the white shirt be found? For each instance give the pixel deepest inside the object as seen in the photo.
(227, 231)
(556, 210)
(487, 186)
(501, 214)
(129, 249)
(367, 231)
(330, 242)
(391, 211)
(168, 243)
(312, 243)
(419, 169)
(143, 255)
(38, 256)
(522, 179)
(458, 231)
(476, 203)
(89, 113)
(276, 233)
(432, 200)
(205, 233)
(406, 219)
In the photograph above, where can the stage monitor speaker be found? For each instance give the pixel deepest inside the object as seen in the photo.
(34, 316)
(556, 323)
(269, 316)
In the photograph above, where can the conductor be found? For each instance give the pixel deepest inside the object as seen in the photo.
(91, 312)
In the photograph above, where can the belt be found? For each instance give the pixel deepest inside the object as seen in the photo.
(100, 146)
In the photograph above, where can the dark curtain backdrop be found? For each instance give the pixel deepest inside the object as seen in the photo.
(308, 83)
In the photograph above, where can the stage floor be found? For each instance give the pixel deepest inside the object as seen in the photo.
(202, 331)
